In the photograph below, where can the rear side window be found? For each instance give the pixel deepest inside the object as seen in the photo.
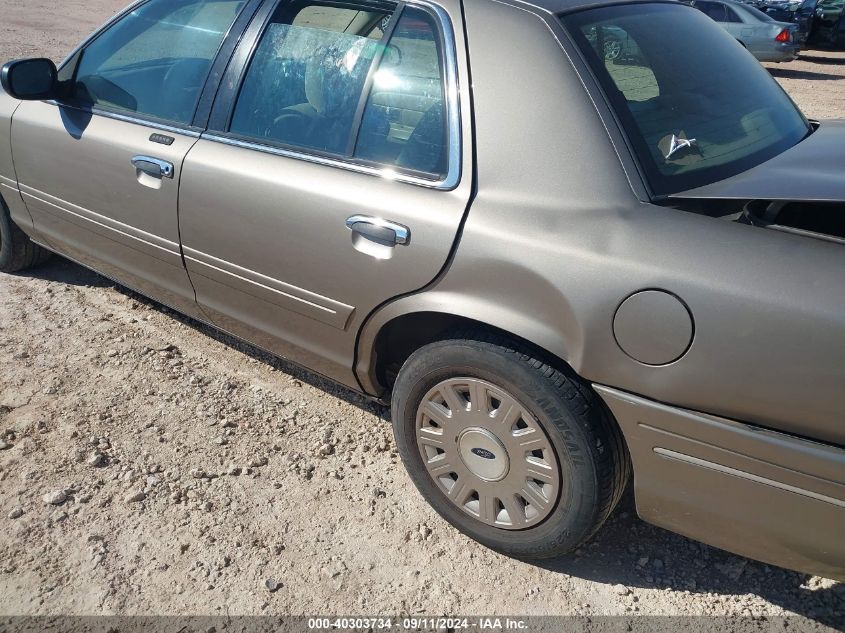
(362, 84)
(730, 15)
(154, 61)
(692, 118)
(713, 10)
(404, 119)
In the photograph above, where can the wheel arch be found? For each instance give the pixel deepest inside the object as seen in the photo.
(393, 333)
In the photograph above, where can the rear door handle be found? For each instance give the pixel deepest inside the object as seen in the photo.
(154, 167)
(378, 230)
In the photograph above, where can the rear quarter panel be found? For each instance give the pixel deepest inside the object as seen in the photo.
(556, 240)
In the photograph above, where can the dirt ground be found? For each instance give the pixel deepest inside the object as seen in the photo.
(149, 465)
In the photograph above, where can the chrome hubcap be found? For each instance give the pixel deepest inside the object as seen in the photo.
(487, 453)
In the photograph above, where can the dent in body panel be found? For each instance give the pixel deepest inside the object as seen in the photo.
(736, 486)
(554, 205)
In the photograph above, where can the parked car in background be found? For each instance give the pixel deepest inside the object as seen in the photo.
(559, 271)
(798, 12)
(829, 24)
(615, 44)
(766, 39)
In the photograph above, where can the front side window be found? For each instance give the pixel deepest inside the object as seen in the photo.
(154, 61)
(350, 83)
(691, 119)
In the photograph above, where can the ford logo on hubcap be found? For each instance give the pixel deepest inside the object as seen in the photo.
(483, 453)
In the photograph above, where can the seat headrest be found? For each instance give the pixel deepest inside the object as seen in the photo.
(334, 73)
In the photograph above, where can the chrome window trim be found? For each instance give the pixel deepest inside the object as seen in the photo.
(164, 127)
(454, 137)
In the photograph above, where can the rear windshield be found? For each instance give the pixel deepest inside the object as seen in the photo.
(695, 105)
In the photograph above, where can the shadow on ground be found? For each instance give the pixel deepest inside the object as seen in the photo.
(625, 551)
(633, 553)
(61, 270)
(787, 73)
(821, 59)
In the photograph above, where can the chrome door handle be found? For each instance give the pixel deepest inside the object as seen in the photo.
(154, 167)
(378, 230)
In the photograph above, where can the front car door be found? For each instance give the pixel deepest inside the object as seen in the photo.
(99, 171)
(334, 175)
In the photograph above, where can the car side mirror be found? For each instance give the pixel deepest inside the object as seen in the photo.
(30, 79)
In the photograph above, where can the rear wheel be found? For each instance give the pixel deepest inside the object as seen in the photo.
(17, 251)
(612, 48)
(510, 450)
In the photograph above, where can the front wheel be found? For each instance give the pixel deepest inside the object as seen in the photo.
(510, 450)
(17, 251)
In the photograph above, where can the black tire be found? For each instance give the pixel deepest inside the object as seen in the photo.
(17, 251)
(589, 447)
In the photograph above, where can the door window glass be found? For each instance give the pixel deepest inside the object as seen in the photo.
(305, 80)
(155, 60)
(404, 122)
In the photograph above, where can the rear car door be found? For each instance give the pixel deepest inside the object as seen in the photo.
(99, 170)
(333, 177)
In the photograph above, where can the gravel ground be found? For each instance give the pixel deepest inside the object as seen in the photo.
(149, 465)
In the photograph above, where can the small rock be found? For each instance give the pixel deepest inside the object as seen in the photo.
(135, 497)
(257, 462)
(96, 460)
(220, 441)
(111, 353)
(55, 498)
(197, 473)
(272, 585)
(234, 470)
(621, 590)
(4, 445)
(16, 513)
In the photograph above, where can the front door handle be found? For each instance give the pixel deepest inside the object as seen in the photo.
(378, 230)
(154, 167)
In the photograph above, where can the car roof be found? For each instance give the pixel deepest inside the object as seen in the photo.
(567, 6)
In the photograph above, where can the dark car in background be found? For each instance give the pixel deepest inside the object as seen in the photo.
(829, 24)
(801, 13)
